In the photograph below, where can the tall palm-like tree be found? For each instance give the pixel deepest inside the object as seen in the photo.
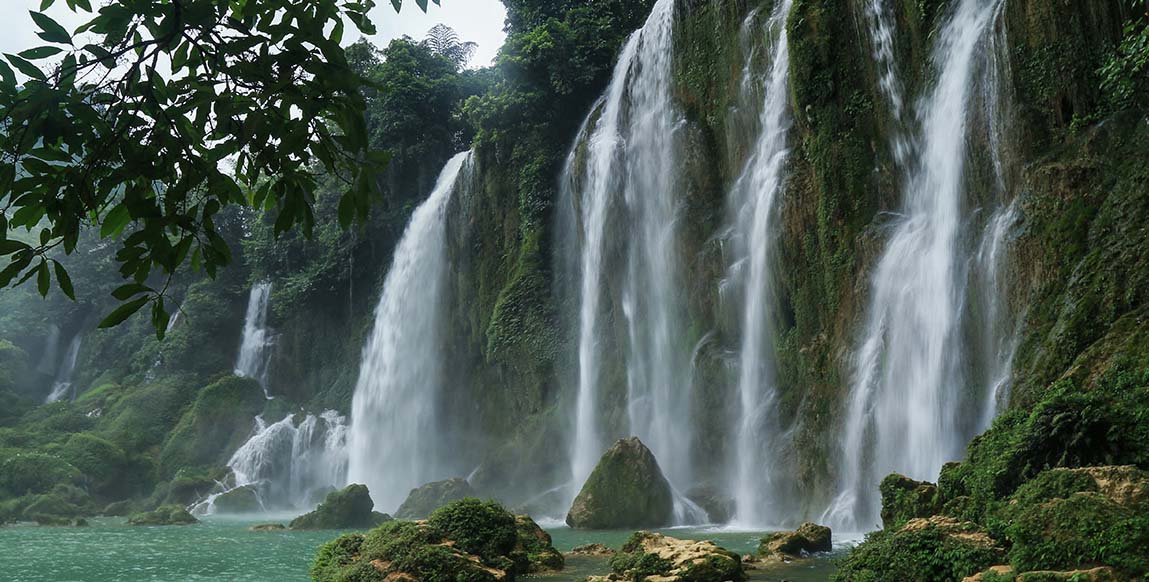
(444, 41)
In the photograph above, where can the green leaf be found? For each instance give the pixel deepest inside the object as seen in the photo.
(125, 292)
(41, 52)
(7, 74)
(43, 279)
(25, 67)
(397, 4)
(64, 280)
(115, 221)
(123, 312)
(53, 32)
(46, 4)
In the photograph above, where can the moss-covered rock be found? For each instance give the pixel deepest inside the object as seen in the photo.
(536, 544)
(627, 489)
(104, 464)
(32, 473)
(268, 527)
(238, 500)
(214, 427)
(348, 508)
(938, 549)
(800, 543)
(468, 540)
(646, 555)
(904, 499)
(164, 515)
(424, 500)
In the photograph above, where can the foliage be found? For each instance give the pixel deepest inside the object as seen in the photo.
(128, 133)
(104, 465)
(926, 554)
(443, 41)
(636, 566)
(482, 528)
(1083, 529)
(1125, 73)
(904, 499)
(29, 473)
(215, 425)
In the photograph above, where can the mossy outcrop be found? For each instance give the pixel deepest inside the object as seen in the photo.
(214, 427)
(238, 500)
(937, 549)
(424, 500)
(164, 515)
(808, 539)
(626, 489)
(649, 555)
(904, 499)
(348, 508)
(468, 540)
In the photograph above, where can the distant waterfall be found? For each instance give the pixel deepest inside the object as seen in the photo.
(254, 355)
(632, 149)
(396, 429)
(753, 201)
(905, 412)
(289, 465)
(63, 386)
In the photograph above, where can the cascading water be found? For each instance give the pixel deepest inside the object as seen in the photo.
(289, 465)
(753, 203)
(632, 148)
(904, 407)
(63, 386)
(254, 355)
(396, 426)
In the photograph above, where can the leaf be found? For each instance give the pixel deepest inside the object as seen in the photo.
(125, 292)
(53, 32)
(14, 269)
(115, 221)
(41, 52)
(7, 74)
(64, 280)
(123, 312)
(46, 4)
(43, 279)
(397, 4)
(25, 67)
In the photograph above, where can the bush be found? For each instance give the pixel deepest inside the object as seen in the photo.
(929, 553)
(33, 473)
(482, 528)
(637, 566)
(214, 427)
(1082, 529)
(101, 461)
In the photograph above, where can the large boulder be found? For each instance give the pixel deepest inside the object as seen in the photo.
(477, 541)
(626, 490)
(904, 499)
(349, 508)
(800, 543)
(423, 501)
(243, 499)
(164, 515)
(650, 556)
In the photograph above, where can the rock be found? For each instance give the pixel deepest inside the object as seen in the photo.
(537, 545)
(1125, 484)
(800, 543)
(423, 501)
(625, 490)
(267, 527)
(656, 557)
(239, 500)
(904, 499)
(164, 515)
(1000, 573)
(466, 540)
(591, 550)
(350, 508)
(718, 507)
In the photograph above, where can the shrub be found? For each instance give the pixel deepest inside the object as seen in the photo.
(483, 528)
(32, 473)
(1082, 529)
(101, 461)
(920, 554)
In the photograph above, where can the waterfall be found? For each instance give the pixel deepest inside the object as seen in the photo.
(289, 465)
(62, 386)
(907, 388)
(396, 437)
(254, 355)
(632, 149)
(753, 203)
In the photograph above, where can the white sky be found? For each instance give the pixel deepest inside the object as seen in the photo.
(480, 21)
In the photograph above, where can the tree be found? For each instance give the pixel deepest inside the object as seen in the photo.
(442, 40)
(129, 133)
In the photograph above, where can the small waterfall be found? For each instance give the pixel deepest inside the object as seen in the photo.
(290, 466)
(905, 398)
(632, 149)
(254, 355)
(396, 430)
(999, 339)
(63, 385)
(753, 201)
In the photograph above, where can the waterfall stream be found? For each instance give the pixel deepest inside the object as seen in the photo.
(62, 386)
(254, 355)
(753, 201)
(906, 395)
(395, 441)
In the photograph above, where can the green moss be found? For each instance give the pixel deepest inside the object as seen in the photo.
(214, 427)
(104, 465)
(348, 508)
(31, 473)
(164, 515)
(904, 499)
(636, 566)
(482, 528)
(1081, 530)
(925, 554)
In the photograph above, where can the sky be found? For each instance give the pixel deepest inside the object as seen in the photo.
(480, 21)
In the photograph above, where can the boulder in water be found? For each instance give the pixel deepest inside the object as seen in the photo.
(800, 543)
(164, 515)
(349, 508)
(626, 489)
(646, 556)
(268, 527)
(591, 550)
(243, 499)
(423, 501)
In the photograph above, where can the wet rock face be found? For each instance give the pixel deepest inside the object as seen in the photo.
(239, 500)
(800, 543)
(423, 501)
(626, 490)
(350, 508)
(719, 508)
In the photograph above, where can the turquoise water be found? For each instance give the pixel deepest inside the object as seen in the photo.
(224, 550)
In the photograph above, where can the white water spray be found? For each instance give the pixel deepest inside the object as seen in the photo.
(63, 385)
(395, 438)
(254, 355)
